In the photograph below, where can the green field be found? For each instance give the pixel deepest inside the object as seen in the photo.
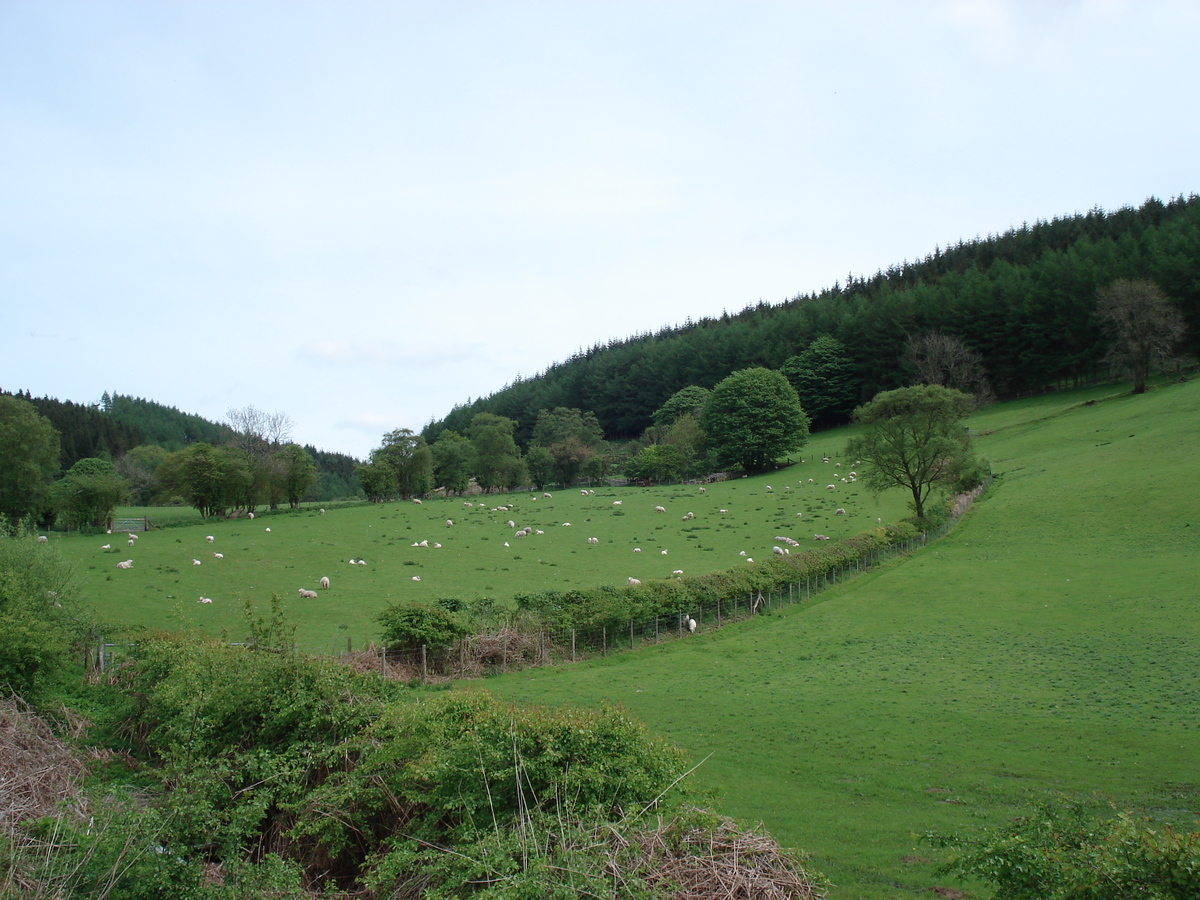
(163, 587)
(1049, 643)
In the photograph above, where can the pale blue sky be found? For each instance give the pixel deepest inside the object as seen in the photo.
(360, 213)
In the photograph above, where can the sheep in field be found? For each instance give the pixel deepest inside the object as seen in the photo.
(131, 542)
(125, 564)
(195, 562)
(106, 547)
(690, 624)
(218, 556)
(593, 540)
(362, 562)
(547, 497)
(325, 583)
(839, 512)
(830, 487)
(416, 501)
(449, 522)
(820, 537)
(661, 509)
(416, 578)
(664, 553)
(702, 490)
(677, 572)
(616, 503)
(209, 538)
(778, 551)
(204, 600)
(307, 594)
(268, 529)
(637, 549)
(632, 581)
(42, 539)
(320, 512)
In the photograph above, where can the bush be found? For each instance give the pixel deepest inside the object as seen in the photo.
(407, 626)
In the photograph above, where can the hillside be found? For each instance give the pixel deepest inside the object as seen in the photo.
(1024, 300)
(1046, 645)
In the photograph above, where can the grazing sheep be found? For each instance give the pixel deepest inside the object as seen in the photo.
(820, 537)
(449, 522)
(106, 547)
(130, 542)
(362, 562)
(325, 583)
(839, 512)
(810, 481)
(741, 553)
(664, 553)
(209, 538)
(468, 504)
(195, 562)
(749, 559)
(506, 543)
(723, 510)
(830, 487)
(662, 509)
(632, 581)
(691, 625)
(583, 493)
(42, 539)
(416, 501)
(593, 540)
(677, 572)
(616, 503)
(799, 515)
(511, 524)
(825, 459)
(637, 549)
(125, 564)
(702, 490)
(307, 595)
(133, 536)
(837, 465)
(218, 556)
(566, 524)
(546, 497)
(539, 531)
(778, 551)
(320, 512)
(268, 529)
(204, 600)
(690, 515)
(251, 515)
(423, 544)
(769, 488)
(354, 562)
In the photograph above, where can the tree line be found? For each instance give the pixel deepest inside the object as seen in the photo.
(1024, 301)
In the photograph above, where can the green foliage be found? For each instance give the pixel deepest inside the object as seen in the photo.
(752, 417)
(453, 461)
(539, 461)
(688, 401)
(560, 424)
(410, 460)
(823, 376)
(915, 440)
(1063, 852)
(29, 450)
(87, 494)
(37, 630)
(297, 472)
(498, 461)
(412, 625)
(137, 467)
(655, 464)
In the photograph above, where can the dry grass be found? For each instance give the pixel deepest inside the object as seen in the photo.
(38, 772)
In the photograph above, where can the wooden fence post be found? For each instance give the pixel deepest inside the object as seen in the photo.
(604, 639)
(424, 666)
(631, 634)
(572, 645)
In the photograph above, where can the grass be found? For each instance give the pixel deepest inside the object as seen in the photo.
(1048, 644)
(163, 587)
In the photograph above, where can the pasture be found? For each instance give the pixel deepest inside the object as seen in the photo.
(480, 554)
(1048, 644)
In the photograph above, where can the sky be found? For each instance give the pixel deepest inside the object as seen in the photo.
(360, 214)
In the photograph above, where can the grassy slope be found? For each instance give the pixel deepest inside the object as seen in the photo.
(1048, 644)
(162, 588)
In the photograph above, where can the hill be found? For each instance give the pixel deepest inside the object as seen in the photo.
(1045, 645)
(1024, 300)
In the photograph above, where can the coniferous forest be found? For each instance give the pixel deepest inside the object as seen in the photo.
(1024, 300)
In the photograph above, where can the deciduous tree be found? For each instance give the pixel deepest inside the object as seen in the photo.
(1144, 326)
(946, 360)
(752, 417)
(28, 459)
(87, 494)
(823, 376)
(453, 458)
(914, 440)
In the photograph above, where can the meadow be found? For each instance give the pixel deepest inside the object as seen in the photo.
(1046, 645)
(480, 556)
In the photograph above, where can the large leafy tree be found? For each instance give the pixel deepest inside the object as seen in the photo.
(28, 459)
(498, 461)
(137, 467)
(297, 472)
(87, 494)
(1144, 326)
(207, 477)
(688, 401)
(453, 457)
(752, 417)
(823, 376)
(409, 457)
(571, 436)
(914, 440)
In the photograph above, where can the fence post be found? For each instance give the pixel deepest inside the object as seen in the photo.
(656, 629)
(631, 634)
(604, 640)
(383, 662)
(424, 666)
(100, 656)
(572, 645)
(504, 659)
(718, 612)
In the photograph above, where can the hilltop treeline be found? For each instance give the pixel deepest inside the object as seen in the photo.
(1025, 300)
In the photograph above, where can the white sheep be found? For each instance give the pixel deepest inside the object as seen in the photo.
(632, 581)
(546, 497)
(749, 559)
(307, 594)
(320, 512)
(468, 504)
(664, 553)
(820, 537)
(677, 572)
(209, 538)
(778, 551)
(106, 547)
(416, 501)
(204, 600)
(195, 562)
(42, 539)
(449, 522)
(354, 562)
(799, 515)
(133, 536)
(702, 490)
(825, 459)
(539, 531)
(566, 524)
(616, 503)
(741, 553)
(637, 549)
(511, 524)
(593, 540)
(769, 488)
(218, 556)
(661, 509)
(810, 481)
(830, 487)
(362, 562)
(424, 543)
(839, 512)
(268, 529)
(691, 625)
(506, 543)
(251, 515)
(437, 546)
(723, 510)
(125, 564)
(325, 583)
(583, 493)
(130, 542)
(416, 578)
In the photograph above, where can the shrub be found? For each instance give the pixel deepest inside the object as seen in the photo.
(408, 626)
